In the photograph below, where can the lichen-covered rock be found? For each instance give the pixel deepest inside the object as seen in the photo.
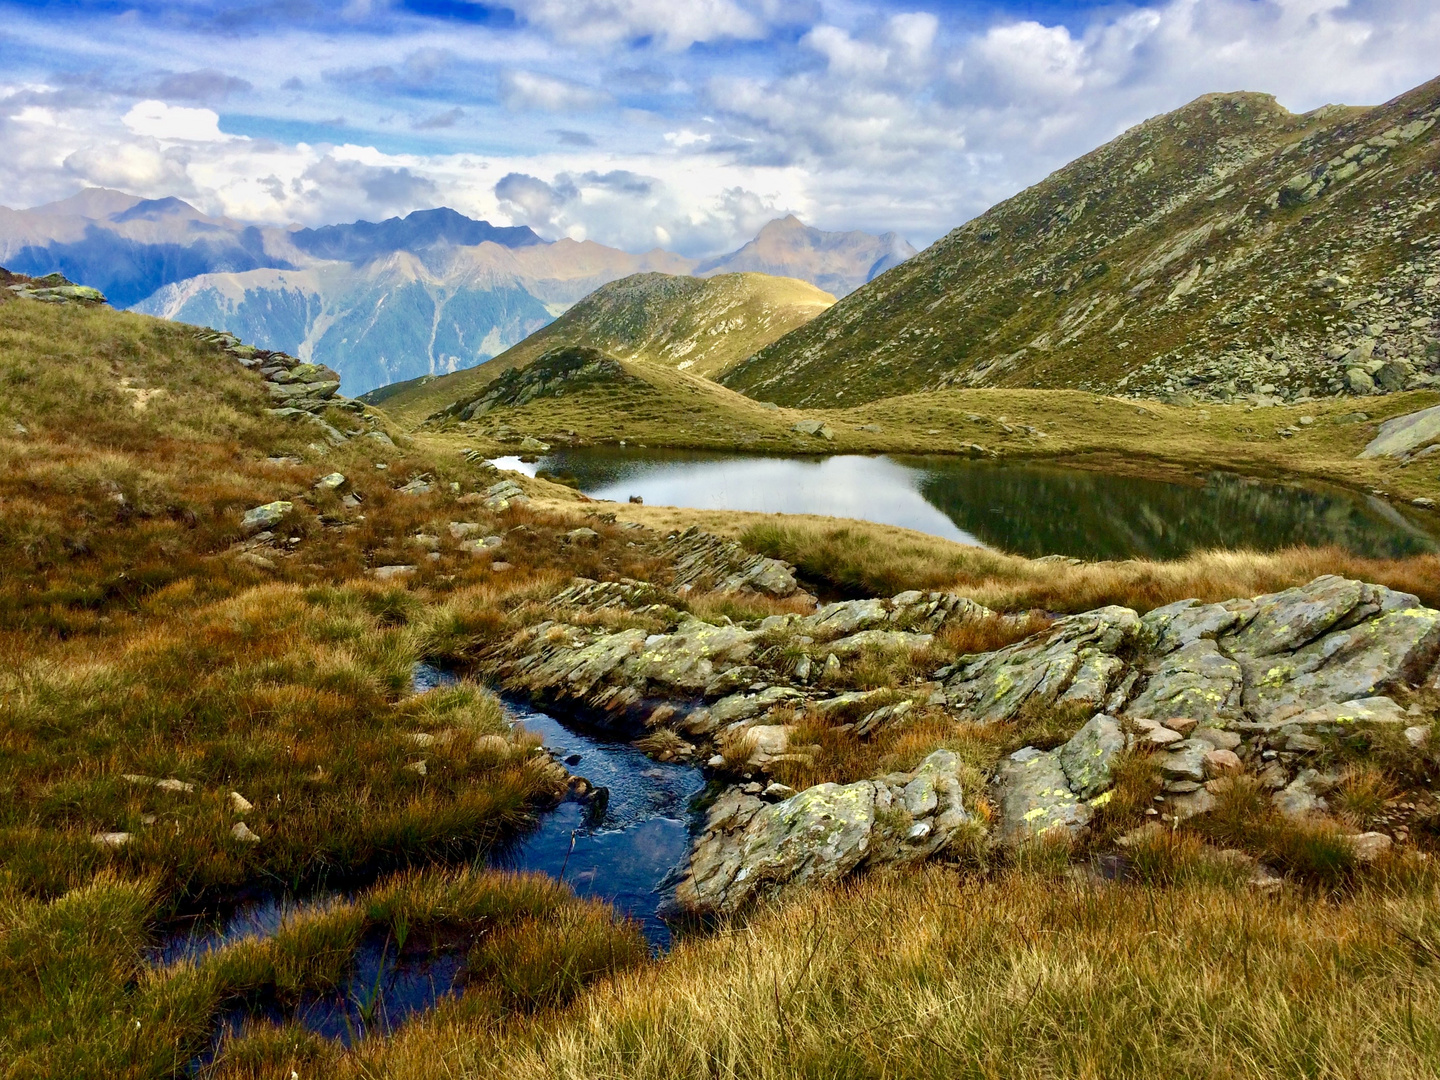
(266, 516)
(751, 850)
(1074, 661)
(1176, 625)
(883, 640)
(704, 560)
(1388, 650)
(1287, 620)
(1035, 797)
(1196, 680)
(1089, 756)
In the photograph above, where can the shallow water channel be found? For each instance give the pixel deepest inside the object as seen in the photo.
(1026, 508)
(628, 856)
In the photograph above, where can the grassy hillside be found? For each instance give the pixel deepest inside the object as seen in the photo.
(1227, 250)
(193, 711)
(700, 325)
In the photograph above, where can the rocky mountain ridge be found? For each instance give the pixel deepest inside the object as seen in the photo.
(1229, 250)
(379, 302)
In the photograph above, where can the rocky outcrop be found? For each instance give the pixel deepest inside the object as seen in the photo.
(1260, 660)
(1266, 676)
(694, 662)
(50, 289)
(291, 383)
(705, 561)
(751, 850)
(1077, 663)
(1253, 684)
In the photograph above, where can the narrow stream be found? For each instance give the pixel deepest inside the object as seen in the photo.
(629, 856)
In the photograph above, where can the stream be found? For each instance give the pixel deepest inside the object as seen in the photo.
(629, 857)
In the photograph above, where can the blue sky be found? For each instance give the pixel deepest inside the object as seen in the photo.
(638, 123)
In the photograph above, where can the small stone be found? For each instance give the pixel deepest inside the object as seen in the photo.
(244, 834)
(330, 482)
(1181, 787)
(500, 567)
(265, 516)
(112, 839)
(1359, 381)
(240, 804)
(421, 738)
(777, 790)
(1162, 736)
(258, 562)
(1218, 738)
(1300, 743)
(1306, 421)
(1368, 846)
(417, 767)
(1418, 736)
(1220, 761)
(180, 787)
(832, 666)
(1183, 724)
(582, 536)
(389, 573)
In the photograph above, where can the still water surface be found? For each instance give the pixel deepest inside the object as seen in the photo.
(1029, 509)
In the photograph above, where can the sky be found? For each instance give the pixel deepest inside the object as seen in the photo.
(683, 124)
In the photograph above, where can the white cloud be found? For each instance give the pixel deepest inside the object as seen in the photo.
(676, 24)
(1026, 59)
(863, 118)
(174, 122)
(527, 90)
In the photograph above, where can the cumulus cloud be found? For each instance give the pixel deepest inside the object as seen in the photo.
(852, 114)
(174, 122)
(528, 90)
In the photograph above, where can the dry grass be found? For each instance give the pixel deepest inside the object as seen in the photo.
(857, 558)
(1025, 975)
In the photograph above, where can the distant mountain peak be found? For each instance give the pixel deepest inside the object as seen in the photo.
(362, 241)
(838, 262)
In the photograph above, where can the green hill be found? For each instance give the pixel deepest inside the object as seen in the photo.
(700, 325)
(1229, 249)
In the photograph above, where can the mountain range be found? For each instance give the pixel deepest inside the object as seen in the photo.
(379, 302)
(1229, 249)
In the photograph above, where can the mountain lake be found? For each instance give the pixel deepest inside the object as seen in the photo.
(1026, 508)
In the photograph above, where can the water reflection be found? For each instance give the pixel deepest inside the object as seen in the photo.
(1025, 508)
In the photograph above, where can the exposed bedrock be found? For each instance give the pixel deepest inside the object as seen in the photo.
(1210, 689)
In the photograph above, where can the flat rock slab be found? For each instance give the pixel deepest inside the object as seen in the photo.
(1403, 434)
(1036, 797)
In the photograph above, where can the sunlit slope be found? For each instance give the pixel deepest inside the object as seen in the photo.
(1226, 249)
(703, 326)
